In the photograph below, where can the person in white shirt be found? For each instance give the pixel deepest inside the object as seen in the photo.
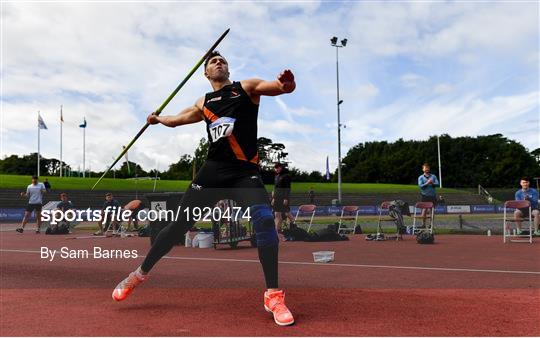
(34, 192)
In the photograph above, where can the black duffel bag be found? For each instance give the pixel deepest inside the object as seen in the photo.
(425, 237)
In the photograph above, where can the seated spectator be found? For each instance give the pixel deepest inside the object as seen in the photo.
(107, 218)
(62, 227)
(526, 193)
(64, 204)
(134, 206)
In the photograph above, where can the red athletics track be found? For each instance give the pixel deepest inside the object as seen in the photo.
(461, 286)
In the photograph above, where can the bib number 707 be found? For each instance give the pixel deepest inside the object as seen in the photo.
(221, 127)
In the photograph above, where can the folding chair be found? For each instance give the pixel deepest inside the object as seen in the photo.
(385, 206)
(305, 210)
(423, 206)
(348, 213)
(109, 229)
(506, 220)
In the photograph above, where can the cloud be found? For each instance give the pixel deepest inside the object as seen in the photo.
(411, 80)
(468, 115)
(367, 90)
(463, 68)
(443, 88)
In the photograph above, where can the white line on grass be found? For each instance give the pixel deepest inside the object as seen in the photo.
(325, 264)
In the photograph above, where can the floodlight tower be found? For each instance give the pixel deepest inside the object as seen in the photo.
(334, 43)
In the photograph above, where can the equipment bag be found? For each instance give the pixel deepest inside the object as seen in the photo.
(425, 237)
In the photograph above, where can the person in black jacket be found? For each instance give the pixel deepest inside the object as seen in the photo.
(281, 196)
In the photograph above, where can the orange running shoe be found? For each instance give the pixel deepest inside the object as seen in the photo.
(274, 302)
(125, 287)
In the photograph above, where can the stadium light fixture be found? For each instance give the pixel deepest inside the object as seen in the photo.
(333, 41)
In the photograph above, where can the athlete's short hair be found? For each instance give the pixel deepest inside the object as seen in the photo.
(426, 165)
(213, 54)
(524, 178)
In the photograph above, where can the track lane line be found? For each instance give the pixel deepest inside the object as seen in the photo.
(324, 264)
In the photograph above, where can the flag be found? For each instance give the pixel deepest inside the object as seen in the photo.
(61, 115)
(327, 170)
(41, 123)
(84, 124)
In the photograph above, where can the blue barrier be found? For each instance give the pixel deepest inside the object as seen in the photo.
(367, 210)
(441, 209)
(16, 214)
(482, 209)
(500, 209)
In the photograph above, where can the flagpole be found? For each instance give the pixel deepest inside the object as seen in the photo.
(84, 151)
(155, 178)
(439, 157)
(38, 133)
(61, 123)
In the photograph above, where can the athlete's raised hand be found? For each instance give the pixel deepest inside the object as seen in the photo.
(286, 78)
(282, 85)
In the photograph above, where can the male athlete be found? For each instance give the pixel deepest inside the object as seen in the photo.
(230, 113)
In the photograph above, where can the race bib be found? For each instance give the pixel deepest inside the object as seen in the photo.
(221, 127)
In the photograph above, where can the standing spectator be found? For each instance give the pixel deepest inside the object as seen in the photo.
(311, 195)
(526, 193)
(47, 185)
(427, 183)
(281, 195)
(107, 219)
(34, 192)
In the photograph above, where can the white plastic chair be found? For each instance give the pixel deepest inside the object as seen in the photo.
(522, 238)
(429, 207)
(306, 210)
(348, 213)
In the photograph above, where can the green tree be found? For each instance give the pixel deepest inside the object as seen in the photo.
(201, 152)
(181, 170)
(492, 161)
(27, 165)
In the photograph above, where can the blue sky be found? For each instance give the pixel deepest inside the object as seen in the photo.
(410, 70)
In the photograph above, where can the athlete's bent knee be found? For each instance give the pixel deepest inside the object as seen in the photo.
(263, 222)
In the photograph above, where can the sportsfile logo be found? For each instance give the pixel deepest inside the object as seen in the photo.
(196, 214)
(109, 214)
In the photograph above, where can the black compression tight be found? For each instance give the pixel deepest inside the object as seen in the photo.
(244, 186)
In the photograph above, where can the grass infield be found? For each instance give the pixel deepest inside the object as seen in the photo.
(76, 183)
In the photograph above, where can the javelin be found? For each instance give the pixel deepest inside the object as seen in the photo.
(164, 104)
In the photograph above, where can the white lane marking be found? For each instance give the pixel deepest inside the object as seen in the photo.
(326, 264)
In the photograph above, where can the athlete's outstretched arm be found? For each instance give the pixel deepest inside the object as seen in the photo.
(282, 85)
(189, 115)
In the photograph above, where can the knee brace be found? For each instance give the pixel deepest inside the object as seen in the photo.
(263, 222)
